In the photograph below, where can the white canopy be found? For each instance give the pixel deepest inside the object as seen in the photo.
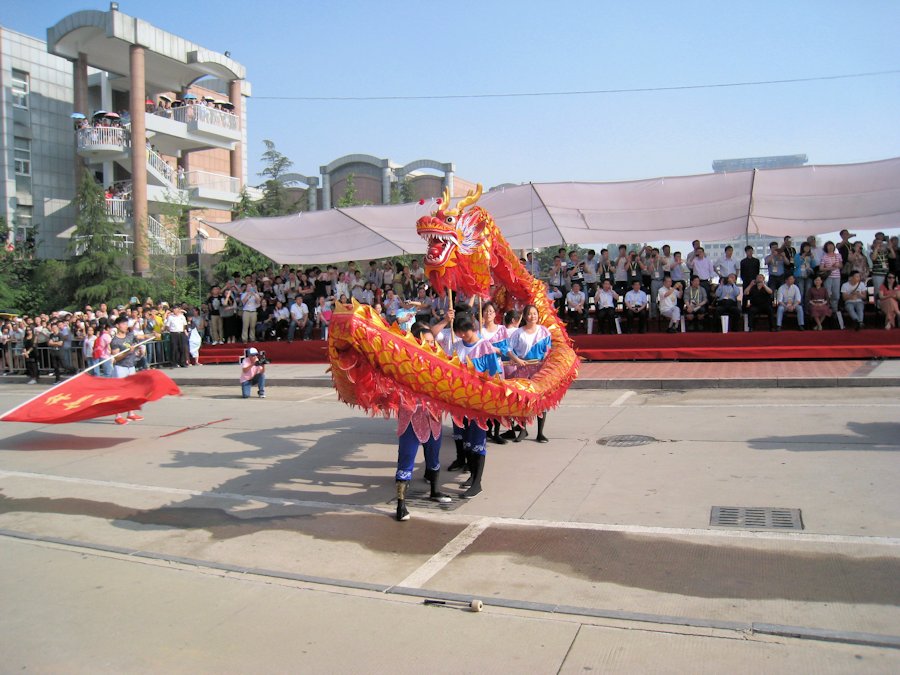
(712, 207)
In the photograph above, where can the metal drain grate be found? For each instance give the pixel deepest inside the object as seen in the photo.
(756, 518)
(626, 441)
(420, 501)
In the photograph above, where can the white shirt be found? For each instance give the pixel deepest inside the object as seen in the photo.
(726, 266)
(574, 299)
(667, 298)
(788, 294)
(299, 313)
(175, 323)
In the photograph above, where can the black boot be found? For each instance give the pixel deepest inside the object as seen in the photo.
(470, 458)
(509, 435)
(477, 471)
(540, 434)
(522, 433)
(460, 462)
(496, 437)
(402, 512)
(436, 495)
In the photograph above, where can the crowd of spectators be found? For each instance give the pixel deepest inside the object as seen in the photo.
(624, 292)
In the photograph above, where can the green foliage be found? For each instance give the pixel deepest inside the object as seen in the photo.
(95, 273)
(350, 198)
(401, 192)
(275, 200)
(238, 257)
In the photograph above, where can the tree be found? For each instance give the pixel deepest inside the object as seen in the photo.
(350, 197)
(95, 274)
(238, 257)
(402, 192)
(275, 198)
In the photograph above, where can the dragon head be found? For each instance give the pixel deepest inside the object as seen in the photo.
(458, 255)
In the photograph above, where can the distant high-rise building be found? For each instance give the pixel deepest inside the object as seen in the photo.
(750, 163)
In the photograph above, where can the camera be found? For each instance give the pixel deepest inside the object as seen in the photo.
(261, 358)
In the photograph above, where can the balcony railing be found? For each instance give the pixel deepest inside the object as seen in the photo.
(92, 137)
(211, 181)
(161, 166)
(162, 240)
(207, 115)
(122, 242)
(118, 208)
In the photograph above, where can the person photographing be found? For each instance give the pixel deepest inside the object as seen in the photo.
(253, 372)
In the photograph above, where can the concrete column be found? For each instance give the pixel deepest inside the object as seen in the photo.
(448, 182)
(137, 98)
(237, 155)
(311, 196)
(326, 191)
(386, 185)
(80, 84)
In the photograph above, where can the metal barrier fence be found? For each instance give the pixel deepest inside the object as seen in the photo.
(157, 354)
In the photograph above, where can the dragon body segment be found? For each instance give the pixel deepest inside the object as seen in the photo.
(384, 370)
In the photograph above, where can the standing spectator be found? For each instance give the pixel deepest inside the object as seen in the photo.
(830, 266)
(250, 303)
(855, 294)
(87, 346)
(28, 351)
(532, 265)
(702, 267)
(678, 269)
(214, 304)
(749, 267)
(54, 346)
(881, 255)
(857, 261)
(787, 248)
(175, 324)
(845, 248)
(727, 264)
(775, 261)
(657, 271)
(803, 269)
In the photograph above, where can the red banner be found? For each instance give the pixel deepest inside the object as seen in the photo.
(87, 396)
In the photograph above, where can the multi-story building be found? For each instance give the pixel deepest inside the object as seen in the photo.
(161, 121)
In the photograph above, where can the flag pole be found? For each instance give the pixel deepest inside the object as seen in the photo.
(67, 381)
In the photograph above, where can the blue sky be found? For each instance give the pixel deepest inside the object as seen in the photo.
(424, 48)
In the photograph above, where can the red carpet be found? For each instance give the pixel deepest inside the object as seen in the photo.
(762, 345)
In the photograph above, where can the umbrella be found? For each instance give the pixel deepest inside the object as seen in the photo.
(177, 102)
(189, 97)
(77, 116)
(100, 113)
(209, 98)
(219, 101)
(228, 104)
(163, 97)
(112, 114)
(149, 101)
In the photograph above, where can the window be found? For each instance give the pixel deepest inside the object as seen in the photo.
(23, 156)
(24, 224)
(20, 88)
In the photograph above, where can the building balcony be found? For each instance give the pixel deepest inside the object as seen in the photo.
(122, 242)
(209, 122)
(102, 143)
(211, 190)
(119, 209)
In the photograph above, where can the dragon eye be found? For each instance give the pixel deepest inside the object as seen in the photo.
(449, 220)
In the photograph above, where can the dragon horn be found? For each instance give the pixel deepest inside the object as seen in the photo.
(469, 199)
(445, 200)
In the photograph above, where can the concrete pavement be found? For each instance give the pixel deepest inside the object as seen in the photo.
(588, 555)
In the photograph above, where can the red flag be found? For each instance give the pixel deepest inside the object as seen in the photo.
(86, 397)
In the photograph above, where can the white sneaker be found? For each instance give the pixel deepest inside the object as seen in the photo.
(262, 394)
(32, 381)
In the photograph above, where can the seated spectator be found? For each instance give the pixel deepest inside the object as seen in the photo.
(696, 304)
(606, 301)
(855, 293)
(818, 301)
(575, 301)
(789, 301)
(728, 300)
(299, 319)
(759, 299)
(667, 299)
(636, 307)
(888, 296)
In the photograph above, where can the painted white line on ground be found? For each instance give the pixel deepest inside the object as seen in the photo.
(445, 556)
(798, 537)
(725, 406)
(624, 397)
(330, 392)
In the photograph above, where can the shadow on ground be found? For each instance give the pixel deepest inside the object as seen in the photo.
(869, 436)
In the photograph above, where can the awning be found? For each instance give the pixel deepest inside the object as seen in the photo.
(712, 207)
